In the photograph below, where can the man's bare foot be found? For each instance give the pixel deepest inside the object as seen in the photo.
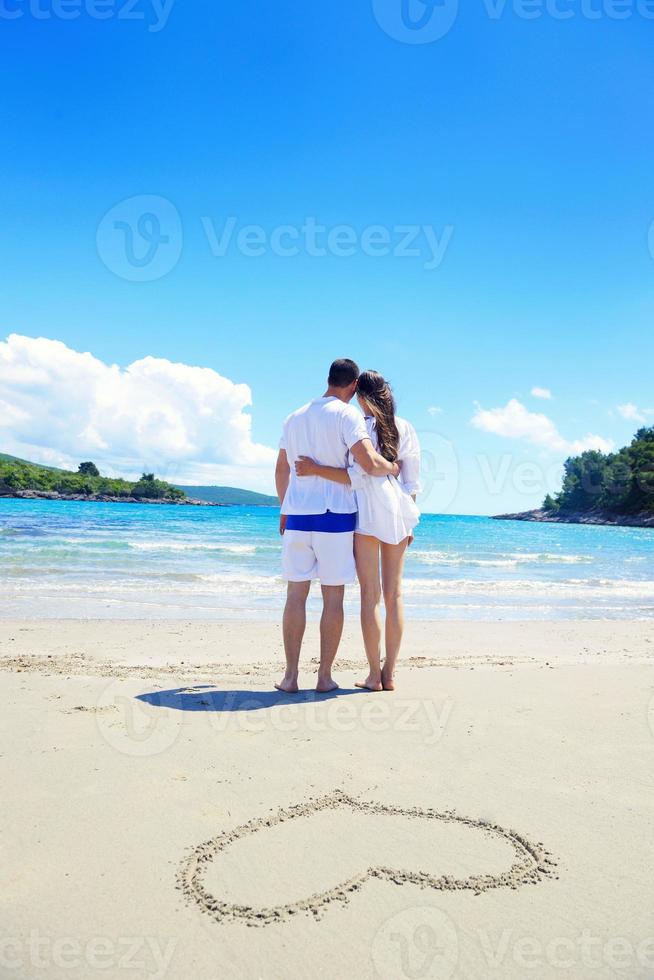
(373, 682)
(325, 685)
(388, 681)
(288, 685)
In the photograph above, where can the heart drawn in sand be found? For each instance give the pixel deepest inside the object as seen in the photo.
(339, 843)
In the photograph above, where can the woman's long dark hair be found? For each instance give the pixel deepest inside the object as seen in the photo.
(378, 396)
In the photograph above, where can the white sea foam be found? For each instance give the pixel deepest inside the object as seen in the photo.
(510, 560)
(226, 584)
(168, 545)
(564, 588)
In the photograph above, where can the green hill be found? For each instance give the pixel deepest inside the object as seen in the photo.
(4, 457)
(229, 495)
(18, 475)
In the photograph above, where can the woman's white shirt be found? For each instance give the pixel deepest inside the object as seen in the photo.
(408, 455)
(385, 506)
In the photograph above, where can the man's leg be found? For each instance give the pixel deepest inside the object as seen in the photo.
(331, 629)
(294, 624)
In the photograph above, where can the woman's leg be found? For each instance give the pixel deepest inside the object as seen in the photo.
(366, 552)
(392, 563)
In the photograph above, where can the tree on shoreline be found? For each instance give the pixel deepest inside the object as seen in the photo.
(618, 483)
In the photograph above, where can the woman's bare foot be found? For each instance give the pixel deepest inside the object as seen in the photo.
(288, 685)
(373, 682)
(325, 685)
(388, 681)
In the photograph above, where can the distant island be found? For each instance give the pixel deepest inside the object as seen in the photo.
(20, 478)
(232, 496)
(603, 488)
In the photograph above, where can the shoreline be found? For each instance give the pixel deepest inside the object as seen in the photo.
(599, 519)
(184, 646)
(99, 498)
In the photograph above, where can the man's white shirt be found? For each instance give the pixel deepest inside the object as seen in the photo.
(325, 429)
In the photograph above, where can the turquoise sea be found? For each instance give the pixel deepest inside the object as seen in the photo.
(76, 560)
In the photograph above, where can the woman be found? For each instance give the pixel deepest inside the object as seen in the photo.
(387, 516)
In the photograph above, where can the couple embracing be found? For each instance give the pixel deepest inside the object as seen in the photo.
(347, 484)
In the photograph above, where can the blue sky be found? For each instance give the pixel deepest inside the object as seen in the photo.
(523, 146)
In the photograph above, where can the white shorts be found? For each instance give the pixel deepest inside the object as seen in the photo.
(318, 554)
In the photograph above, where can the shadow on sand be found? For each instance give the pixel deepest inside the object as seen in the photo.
(204, 697)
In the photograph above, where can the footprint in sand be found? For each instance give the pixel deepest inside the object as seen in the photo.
(244, 873)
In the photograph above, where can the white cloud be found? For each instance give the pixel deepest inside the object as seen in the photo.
(542, 393)
(514, 421)
(435, 410)
(632, 413)
(60, 406)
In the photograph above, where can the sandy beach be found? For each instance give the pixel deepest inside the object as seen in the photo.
(167, 814)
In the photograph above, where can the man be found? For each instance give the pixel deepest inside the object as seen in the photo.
(318, 516)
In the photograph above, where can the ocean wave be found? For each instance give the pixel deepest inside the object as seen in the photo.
(510, 560)
(166, 583)
(223, 585)
(16, 531)
(65, 547)
(564, 588)
(220, 546)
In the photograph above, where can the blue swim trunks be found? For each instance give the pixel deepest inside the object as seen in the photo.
(328, 522)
